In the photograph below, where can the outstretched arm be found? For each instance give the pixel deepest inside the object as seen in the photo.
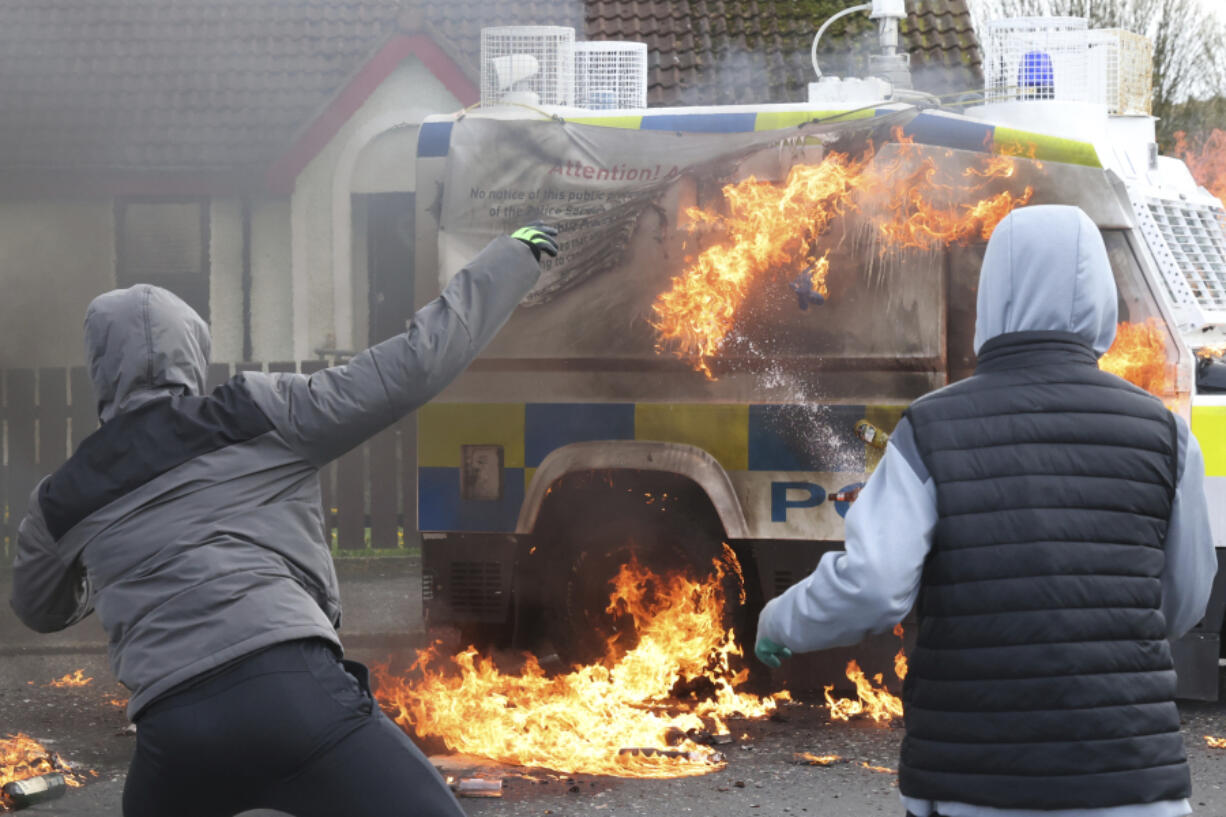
(868, 587)
(331, 411)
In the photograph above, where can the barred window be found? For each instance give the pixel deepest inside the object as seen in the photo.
(165, 242)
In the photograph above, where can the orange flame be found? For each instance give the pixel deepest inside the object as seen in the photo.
(1139, 356)
(1212, 352)
(581, 721)
(882, 769)
(810, 759)
(767, 228)
(1206, 159)
(873, 699)
(118, 703)
(22, 757)
(73, 679)
(900, 660)
(1215, 743)
(773, 229)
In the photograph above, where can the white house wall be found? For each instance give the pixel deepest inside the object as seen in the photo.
(272, 304)
(226, 278)
(326, 293)
(55, 256)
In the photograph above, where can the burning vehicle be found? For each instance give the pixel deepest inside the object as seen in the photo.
(746, 300)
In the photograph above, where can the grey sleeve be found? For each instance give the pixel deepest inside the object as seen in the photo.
(868, 587)
(1187, 578)
(49, 594)
(325, 414)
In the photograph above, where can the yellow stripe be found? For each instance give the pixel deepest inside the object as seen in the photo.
(1050, 148)
(721, 430)
(776, 120)
(628, 122)
(1209, 426)
(443, 427)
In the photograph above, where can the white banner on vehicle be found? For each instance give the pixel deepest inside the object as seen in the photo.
(592, 182)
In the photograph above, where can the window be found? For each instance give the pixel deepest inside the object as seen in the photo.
(165, 242)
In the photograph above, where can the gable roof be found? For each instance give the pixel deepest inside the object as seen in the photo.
(231, 85)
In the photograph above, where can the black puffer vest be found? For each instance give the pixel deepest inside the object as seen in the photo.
(1042, 678)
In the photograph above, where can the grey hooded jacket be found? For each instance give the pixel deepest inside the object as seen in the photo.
(192, 522)
(870, 586)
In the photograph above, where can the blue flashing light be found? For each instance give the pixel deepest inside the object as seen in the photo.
(1036, 77)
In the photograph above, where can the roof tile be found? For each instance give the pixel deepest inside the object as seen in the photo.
(226, 84)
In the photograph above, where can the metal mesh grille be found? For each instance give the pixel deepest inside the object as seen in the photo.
(530, 65)
(611, 75)
(783, 580)
(1121, 71)
(476, 588)
(1195, 242)
(1037, 58)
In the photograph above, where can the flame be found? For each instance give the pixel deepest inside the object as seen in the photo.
(882, 769)
(900, 660)
(767, 228)
(118, 703)
(873, 699)
(770, 229)
(1212, 352)
(1206, 160)
(810, 759)
(1215, 743)
(611, 717)
(1139, 356)
(22, 757)
(73, 679)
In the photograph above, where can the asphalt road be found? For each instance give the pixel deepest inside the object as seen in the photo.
(758, 778)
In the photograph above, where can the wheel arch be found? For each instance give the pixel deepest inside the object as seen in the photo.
(642, 455)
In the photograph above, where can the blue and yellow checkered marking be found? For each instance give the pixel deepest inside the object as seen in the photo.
(741, 437)
(927, 128)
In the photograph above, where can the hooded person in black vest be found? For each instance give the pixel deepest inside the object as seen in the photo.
(1051, 520)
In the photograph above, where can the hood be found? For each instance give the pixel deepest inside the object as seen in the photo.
(143, 343)
(1046, 268)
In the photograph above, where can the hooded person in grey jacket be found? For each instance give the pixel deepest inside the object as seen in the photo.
(192, 524)
(1050, 518)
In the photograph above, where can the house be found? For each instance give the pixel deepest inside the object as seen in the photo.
(256, 156)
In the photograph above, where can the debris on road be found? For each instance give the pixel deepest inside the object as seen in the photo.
(479, 787)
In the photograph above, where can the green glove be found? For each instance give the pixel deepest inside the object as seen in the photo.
(540, 238)
(770, 653)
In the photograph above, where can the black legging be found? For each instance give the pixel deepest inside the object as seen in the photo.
(291, 728)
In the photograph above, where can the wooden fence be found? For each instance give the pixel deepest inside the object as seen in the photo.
(368, 494)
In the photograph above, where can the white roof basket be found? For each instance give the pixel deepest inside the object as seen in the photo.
(611, 74)
(529, 65)
(1037, 58)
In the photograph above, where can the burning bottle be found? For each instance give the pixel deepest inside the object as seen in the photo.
(871, 434)
(34, 790)
(846, 495)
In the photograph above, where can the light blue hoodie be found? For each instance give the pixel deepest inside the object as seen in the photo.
(1046, 268)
